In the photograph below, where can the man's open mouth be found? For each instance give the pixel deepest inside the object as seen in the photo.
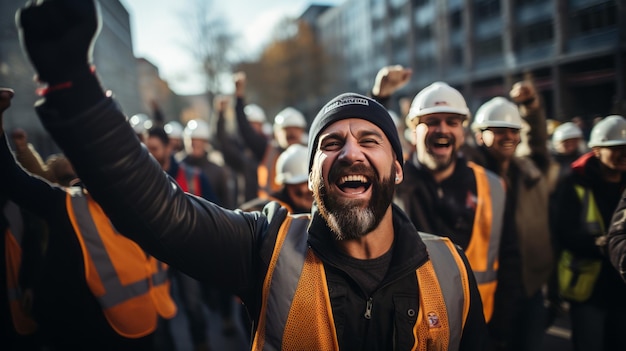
(354, 184)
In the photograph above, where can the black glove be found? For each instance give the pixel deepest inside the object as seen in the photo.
(58, 37)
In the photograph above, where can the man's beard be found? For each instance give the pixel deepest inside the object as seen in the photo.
(347, 218)
(434, 162)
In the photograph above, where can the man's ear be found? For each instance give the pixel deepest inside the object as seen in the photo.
(310, 181)
(399, 173)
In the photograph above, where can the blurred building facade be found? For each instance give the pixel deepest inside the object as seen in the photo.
(113, 58)
(575, 50)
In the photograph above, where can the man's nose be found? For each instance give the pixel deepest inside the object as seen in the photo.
(351, 151)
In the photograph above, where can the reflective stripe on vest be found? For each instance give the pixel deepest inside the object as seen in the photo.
(454, 287)
(484, 246)
(266, 172)
(130, 286)
(296, 309)
(592, 220)
(13, 236)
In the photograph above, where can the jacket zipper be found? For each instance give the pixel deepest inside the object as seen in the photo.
(368, 309)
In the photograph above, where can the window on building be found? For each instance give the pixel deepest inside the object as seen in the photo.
(489, 47)
(424, 32)
(594, 18)
(456, 19)
(528, 2)
(456, 56)
(534, 34)
(487, 9)
(418, 3)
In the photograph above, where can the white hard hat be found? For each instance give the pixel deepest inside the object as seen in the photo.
(610, 131)
(254, 113)
(140, 123)
(292, 165)
(289, 117)
(566, 131)
(497, 113)
(438, 97)
(197, 129)
(174, 129)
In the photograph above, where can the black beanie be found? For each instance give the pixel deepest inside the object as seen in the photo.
(352, 105)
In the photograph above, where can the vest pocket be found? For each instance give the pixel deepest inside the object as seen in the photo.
(405, 317)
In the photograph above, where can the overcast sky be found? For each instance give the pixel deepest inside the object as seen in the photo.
(157, 28)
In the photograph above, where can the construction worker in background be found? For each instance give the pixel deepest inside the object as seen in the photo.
(584, 204)
(18, 327)
(97, 290)
(174, 132)
(498, 127)
(200, 154)
(140, 123)
(292, 173)
(567, 146)
(444, 193)
(289, 128)
(239, 158)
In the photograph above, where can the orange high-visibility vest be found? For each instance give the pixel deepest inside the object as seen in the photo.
(296, 310)
(484, 246)
(266, 172)
(13, 236)
(131, 286)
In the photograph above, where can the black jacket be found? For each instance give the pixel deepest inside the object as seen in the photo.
(231, 249)
(68, 314)
(566, 221)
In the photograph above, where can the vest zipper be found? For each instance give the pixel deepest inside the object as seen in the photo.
(368, 309)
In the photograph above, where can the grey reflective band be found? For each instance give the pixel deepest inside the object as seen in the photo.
(14, 216)
(160, 277)
(285, 278)
(115, 291)
(497, 214)
(451, 285)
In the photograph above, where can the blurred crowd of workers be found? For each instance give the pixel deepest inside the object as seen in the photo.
(529, 202)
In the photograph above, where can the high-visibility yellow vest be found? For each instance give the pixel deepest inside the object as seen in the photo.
(131, 286)
(296, 310)
(13, 236)
(484, 246)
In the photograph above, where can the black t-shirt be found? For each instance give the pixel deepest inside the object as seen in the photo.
(367, 273)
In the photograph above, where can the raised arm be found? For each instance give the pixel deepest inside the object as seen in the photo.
(191, 234)
(255, 141)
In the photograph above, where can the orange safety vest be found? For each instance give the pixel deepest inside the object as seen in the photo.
(484, 246)
(266, 171)
(132, 287)
(296, 310)
(23, 324)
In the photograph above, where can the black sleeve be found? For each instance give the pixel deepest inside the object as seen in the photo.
(566, 222)
(255, 141)
(617, 238)
(191, 234)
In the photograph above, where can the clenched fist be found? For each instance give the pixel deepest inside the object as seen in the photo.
(58, 37)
